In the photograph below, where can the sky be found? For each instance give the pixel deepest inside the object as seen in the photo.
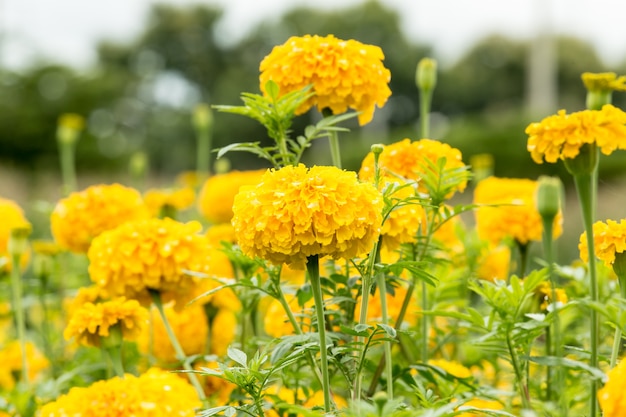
(66, 31)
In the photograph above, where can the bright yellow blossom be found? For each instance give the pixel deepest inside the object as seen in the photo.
(223, 331)
(344, 74)
(515, 212)
(481, 404)
(609, 238)
(180, 199)
(407, 160)
(454, 368)
(561, 136)
(296, 212)
(82, 216)
(494, 263)
(611, 397)
(215, 201)
(148, 254)
(92, 322)
(604, 81)
(12, 218)
(154, 393)
(543, 292)
(11, 359)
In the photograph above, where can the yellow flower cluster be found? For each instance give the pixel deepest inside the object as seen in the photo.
(11, 360)
(82, 216)
(92, 322)
(516, 215)
(296, 212)
(344, 74)
(609, 238)
(611, 397)
(148, 254)
(407, 160)
(154, 393)
(561, 136)
(179, 199)
(604, 81)
(12, 218)
(454, 368)
(215, 201)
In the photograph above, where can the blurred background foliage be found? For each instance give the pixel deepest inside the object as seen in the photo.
(139, 95)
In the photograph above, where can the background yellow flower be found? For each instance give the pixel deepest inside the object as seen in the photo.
(609, 238)
(12, 217)
(296, 212)
(82, 216)
(344, 74)
(611, 397)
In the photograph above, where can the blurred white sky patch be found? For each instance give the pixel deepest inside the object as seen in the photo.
(67, 30)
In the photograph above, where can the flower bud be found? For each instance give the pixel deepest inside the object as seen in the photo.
(18, 242)
(426, 75)
(549, 196)
(202, 117)
(69, 127)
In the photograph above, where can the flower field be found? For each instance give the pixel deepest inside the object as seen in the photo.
(303, 290)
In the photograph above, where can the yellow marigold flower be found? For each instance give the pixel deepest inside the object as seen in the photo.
(189, 325)
(148, 254)
(154, 393)
(296, 212)
(454, 368)
(90, 323)
(11, 359)
(609, 238)
(494, 263)
(561, 136)
(223, 331)
(604, 81)
(344, 74)
(543, 292)
(92, 294)
(219, 233)
(12, 218)
(611, 397)
(82, 216)
(215, 201)
(479, 403)
(403, 222)
(179, 199)
(407, 160)
(516, 216)
(189, 179)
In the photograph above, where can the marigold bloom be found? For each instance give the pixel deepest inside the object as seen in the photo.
(611, 397)
(407, 159)
(604, 81)
(296, 212)
(516, 216)
(482, 404)
(494, 263)
(154, 393)
(82, 216)
(90, 323)
(12, 218)
(148, 254)
(609, 238)
(11, 359)
(561, 136)
(179, 199)
(91, 294)
(215, 201)
(344, 74)
(189, 325)
(223, 331)
(454, 368)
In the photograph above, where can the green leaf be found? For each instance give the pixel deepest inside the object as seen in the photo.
(238, 356)
(388, 329)
(568, 363)
(272, 89)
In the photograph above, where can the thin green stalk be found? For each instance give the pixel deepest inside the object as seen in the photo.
(382, 288)
(424, 322)
(313, 269)
(586, 194)
(296, 326)
(523, 257)
(18, 311)
(180, 353)
(617, 340)
(518, 373)
(333, 140)
(425, 102)
(68, 167)
(115, 358)
(203, 157)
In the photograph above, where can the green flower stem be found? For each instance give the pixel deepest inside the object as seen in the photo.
(203, 157)
(518, 373)
(333, 141)
(587, 196)
(523, 257)
(617, 341)
(313, 269)
(180, 353)
(18, 311)
(382, 288)
(425, 103)
(298, 330)
(68, 166)
(115, 356)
